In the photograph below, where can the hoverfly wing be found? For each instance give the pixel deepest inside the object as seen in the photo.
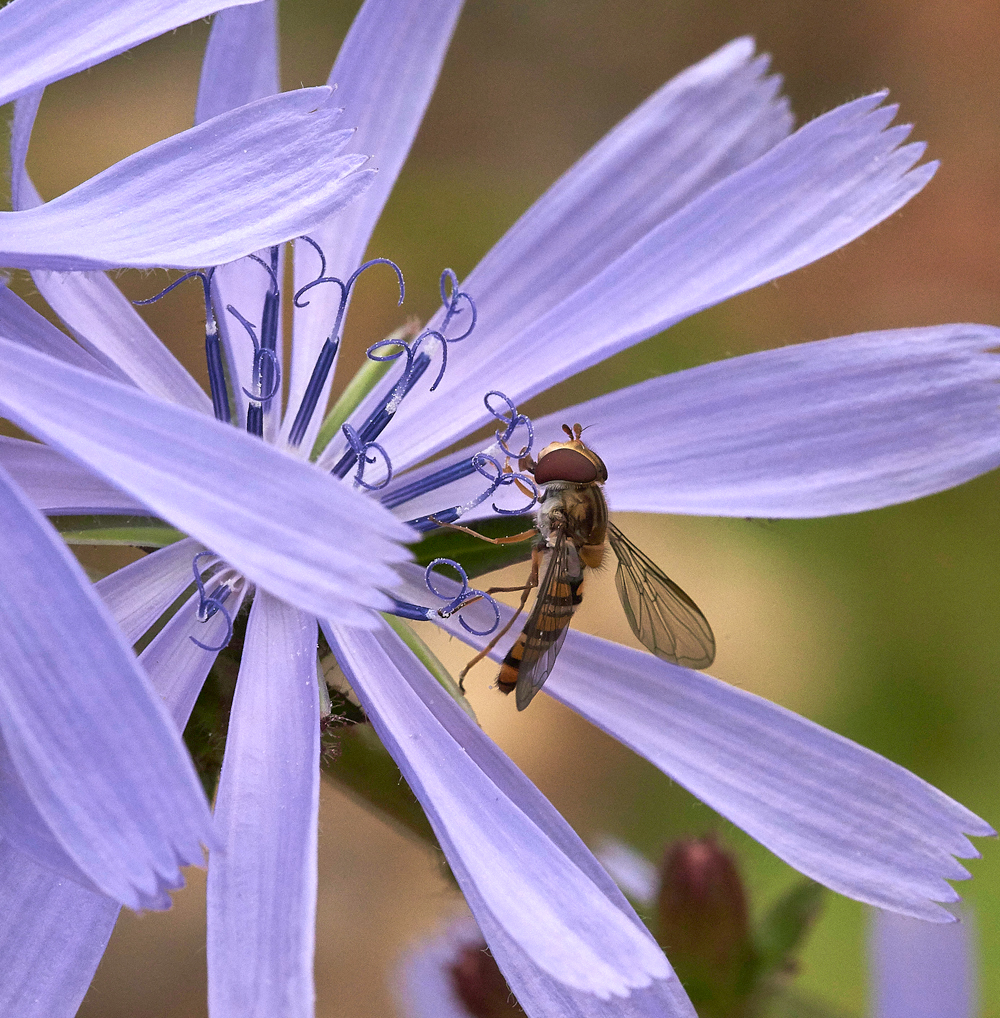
(545, 631)
(661, 615)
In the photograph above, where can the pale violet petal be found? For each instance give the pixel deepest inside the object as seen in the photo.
(240, 66)
(23, 324)
(259, 175)
(52, 930)
(103, 321)
(139, 593)
(564, 928)
(809, 195)
(241, 59)
(24, 827)
(542, 995)
(841, 425)
(128, 811)
(60, 486)
(23, 194)
(385, 73)
(281, 522)
(45, 40)
(242, 285)
(633, 873)
(262, 881)
(836, 426)
(920, 969)
(836, 811)
(425, 987)
(52, 935)
(703, 125)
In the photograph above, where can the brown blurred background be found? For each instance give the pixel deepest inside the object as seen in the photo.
(881, 626)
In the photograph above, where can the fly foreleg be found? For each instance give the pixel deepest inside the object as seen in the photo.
(513, 539)
(536, 561)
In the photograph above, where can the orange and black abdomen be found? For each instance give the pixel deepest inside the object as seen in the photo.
(535, 639)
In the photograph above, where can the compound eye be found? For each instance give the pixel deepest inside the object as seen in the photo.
(565, 465)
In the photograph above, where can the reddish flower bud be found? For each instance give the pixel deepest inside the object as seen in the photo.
(704, 928)
(480, 984)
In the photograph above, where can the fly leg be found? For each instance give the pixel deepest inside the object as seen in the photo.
(536, 561)
(513, 539)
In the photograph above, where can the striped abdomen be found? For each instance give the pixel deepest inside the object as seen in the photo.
(545, 630)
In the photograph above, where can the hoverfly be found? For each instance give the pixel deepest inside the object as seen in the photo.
(572, 529)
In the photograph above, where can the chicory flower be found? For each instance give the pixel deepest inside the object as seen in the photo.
(701, 193)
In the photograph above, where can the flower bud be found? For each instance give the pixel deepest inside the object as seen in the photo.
(704, 928)
(480, 985)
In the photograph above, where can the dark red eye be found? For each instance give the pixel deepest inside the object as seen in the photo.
(565, 465)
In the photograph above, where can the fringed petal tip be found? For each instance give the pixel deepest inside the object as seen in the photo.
(849, 818)
(845, 816)
(540, 897)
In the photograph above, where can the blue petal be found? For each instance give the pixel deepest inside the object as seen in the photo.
(557, 924)
(98, 757)
(60, 486)
(176, 665)
(921, 970)
(139, 593)
(241, 60)
(256, 176)
(240, 66)
(262, 881)
(836, 811)
(52, 935)
(97, 313)
(385, 73)
(836, 426)
(427, 986)
(705, 124)
(809, 195)
(24, 324)
(45, 40)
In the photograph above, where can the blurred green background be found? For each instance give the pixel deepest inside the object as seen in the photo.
(881, 626)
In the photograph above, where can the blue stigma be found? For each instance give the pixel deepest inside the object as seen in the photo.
(498, 475)
(325, 361)
(210, 604)
(213, 345)
(456, 603)
(456, 302)
(378, 419)
(266, 369)
(360, 450)
(446, 475)
(261, 356)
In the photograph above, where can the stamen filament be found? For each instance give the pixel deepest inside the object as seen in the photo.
(380, 416)
(213, 346)
(429, 483)
(321, 369)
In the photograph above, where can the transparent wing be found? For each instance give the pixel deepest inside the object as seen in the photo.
(546, 628)
(661, 615)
